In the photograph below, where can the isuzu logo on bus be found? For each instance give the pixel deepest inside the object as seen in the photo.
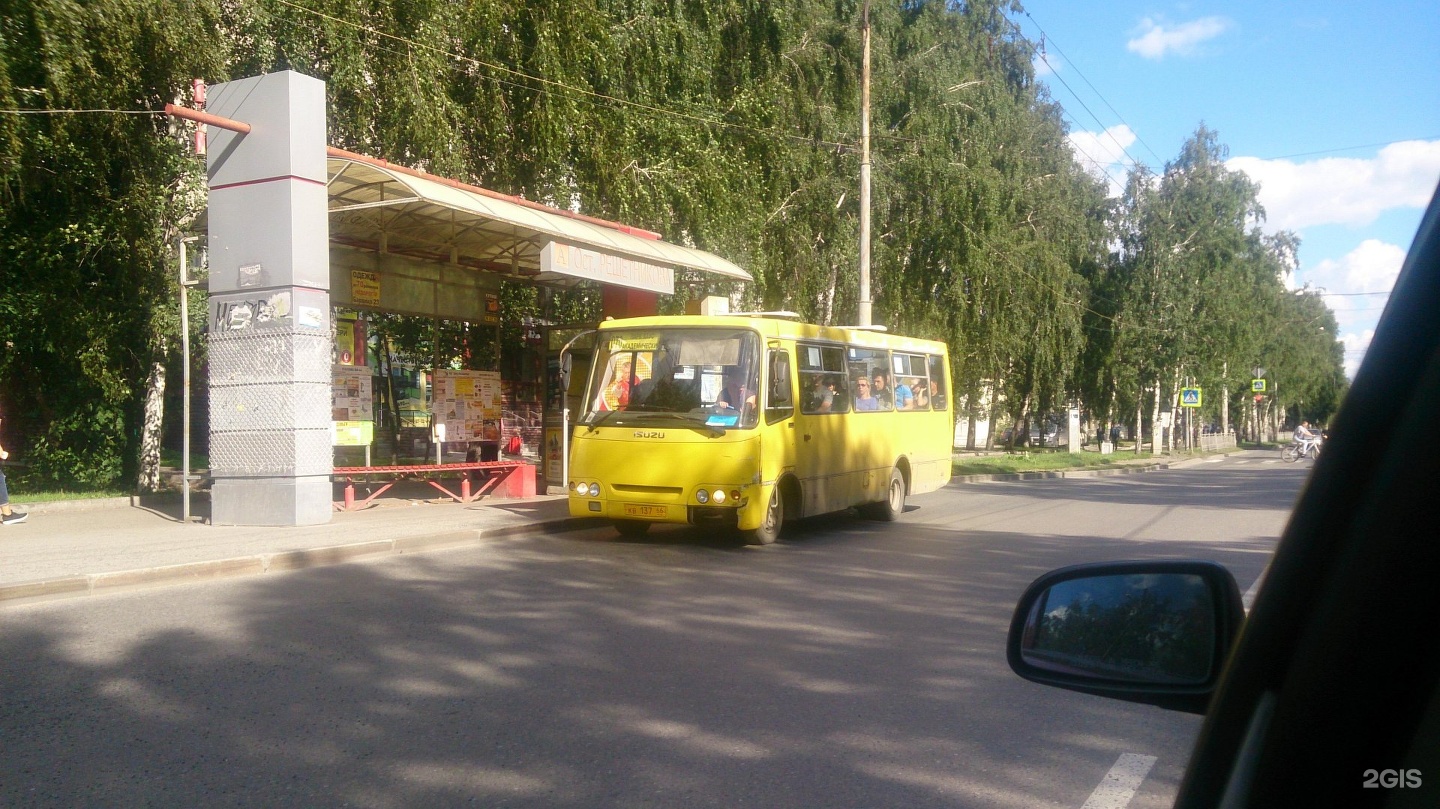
(649, 433)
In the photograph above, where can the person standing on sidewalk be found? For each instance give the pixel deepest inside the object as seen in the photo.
(8, 516)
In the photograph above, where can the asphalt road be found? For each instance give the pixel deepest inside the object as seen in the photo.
(853, 664)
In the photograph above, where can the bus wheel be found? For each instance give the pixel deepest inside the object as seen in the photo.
(632, 528)
(889, 509)
(769, 529)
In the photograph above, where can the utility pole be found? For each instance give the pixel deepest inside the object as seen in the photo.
(865, 166)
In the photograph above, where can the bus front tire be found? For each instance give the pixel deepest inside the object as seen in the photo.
(631, 528)
(769, 529)
(889, 509)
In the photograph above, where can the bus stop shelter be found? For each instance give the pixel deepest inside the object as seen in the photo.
(297, 227)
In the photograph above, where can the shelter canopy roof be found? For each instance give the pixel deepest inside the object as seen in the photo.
(378, 206)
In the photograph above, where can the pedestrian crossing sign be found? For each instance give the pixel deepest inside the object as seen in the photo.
(1257, 386)
(1189, 397)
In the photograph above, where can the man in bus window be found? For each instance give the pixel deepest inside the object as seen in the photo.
(863, 398)
(922, 394)
(734, 395)
(904, 396)
(822, 396)
(881, 394)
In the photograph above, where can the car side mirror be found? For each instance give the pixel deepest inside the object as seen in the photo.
(1154, 632)
(565, 368)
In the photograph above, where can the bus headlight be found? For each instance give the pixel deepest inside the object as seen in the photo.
(718, 497)
(702, 496)
(580, 488)
(594, 490)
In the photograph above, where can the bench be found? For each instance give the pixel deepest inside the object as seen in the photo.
(499, 478)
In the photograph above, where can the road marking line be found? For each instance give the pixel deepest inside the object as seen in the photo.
(1121, 783)
(1249, 597)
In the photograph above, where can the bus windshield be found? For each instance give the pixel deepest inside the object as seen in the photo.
(708, 377)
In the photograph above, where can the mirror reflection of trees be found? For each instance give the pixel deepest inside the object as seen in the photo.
(1140, 628)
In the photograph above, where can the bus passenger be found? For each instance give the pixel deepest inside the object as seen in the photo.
(822, 395)
(616, 395)
(922, 395)
(734, 395)
(904, 397)
(880, 393)
(863, 399)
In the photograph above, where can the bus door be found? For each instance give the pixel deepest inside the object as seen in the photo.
(821, 445)
(777, 447)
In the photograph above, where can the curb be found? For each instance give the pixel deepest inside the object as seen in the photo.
(76, 586)
(1060, 474)
(90, 504)
(31, 592)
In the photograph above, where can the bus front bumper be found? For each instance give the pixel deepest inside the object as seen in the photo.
(746, 515)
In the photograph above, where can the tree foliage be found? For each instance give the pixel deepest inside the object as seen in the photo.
(729, 125)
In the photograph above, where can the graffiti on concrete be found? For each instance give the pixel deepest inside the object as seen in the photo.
(246, 313)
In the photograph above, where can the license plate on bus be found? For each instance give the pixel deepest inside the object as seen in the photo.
(646, 511)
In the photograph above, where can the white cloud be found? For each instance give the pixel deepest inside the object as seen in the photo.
(1156, 40)
(1046, 64)
(1371, 267)
(1344, 191)
(1355, 347)
(1103, 153)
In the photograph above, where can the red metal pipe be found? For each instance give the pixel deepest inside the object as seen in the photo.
(207, 119)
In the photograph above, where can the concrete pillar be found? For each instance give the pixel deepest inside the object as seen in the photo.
(270, 329)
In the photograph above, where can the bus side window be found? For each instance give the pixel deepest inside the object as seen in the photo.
(937, 383)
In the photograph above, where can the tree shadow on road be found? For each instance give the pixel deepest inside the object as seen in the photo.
(846, 666)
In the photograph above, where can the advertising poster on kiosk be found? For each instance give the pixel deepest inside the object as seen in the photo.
(468, 404)
(352, 406)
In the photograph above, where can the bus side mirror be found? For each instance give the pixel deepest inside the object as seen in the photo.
(565, 371)
(779, 378)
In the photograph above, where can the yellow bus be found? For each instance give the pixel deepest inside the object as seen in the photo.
(747, 421)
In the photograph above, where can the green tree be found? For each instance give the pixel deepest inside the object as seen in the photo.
(92, 202)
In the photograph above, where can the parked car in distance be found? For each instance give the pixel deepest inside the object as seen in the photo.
(1328, 692)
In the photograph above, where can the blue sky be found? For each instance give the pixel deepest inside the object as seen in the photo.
(1332, 107)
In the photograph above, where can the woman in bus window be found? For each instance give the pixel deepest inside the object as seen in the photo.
(863, 399)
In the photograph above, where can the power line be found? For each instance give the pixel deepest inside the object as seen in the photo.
(78, 112)
(556, 84)
(1098, 122)
(1045, 36)
(1349, 148)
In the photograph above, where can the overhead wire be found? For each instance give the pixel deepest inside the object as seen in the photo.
(1046, 36)
(602, 99)
(608, 99)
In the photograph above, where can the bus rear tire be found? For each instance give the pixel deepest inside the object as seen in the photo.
(632, 528)
(889, 509)
(774, 521)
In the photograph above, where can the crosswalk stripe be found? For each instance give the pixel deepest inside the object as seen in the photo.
(1121, 783)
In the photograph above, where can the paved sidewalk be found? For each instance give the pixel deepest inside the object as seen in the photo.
(82, 548)
(73, 550)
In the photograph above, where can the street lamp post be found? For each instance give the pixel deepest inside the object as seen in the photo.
(864, 313)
